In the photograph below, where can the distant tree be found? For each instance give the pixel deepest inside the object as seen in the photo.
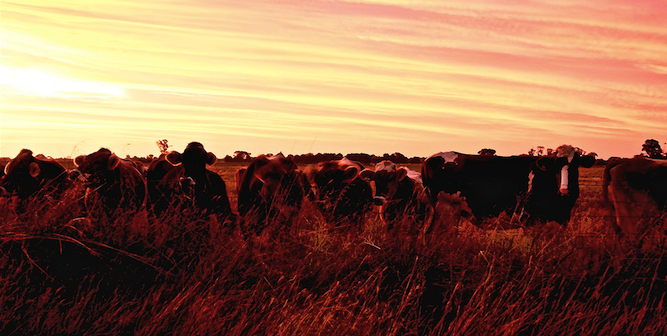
(531, 152)
(398, 158)
(487, 151)
(360, 157)
(652, 149)
(580, 151)
(242, 156)
(550, 151)
(163, 145)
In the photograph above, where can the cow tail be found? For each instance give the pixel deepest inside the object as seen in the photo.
(606, 178)
(244, 190)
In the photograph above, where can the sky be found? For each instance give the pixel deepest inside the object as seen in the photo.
(298, 76)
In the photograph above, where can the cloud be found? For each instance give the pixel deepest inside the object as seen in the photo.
(375, 74)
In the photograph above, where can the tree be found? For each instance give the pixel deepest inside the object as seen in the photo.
(487, 151)
(652, 148)
(242, 156)
(163, 145)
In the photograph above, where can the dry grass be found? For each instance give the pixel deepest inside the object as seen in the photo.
(175, 275)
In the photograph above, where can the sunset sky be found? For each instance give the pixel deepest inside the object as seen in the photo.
(372, 76)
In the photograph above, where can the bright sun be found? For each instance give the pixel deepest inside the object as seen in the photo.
(36, 82)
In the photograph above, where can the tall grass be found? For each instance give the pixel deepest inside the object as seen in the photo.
(62, 273)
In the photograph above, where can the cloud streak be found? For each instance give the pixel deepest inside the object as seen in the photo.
(340, 76)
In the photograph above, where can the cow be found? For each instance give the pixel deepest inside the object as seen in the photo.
(491, 185)
(484, 185)
(181, 181)
(636, 188)
(553, 187)
(161, 194)
(113, 186)
(342, 194)
(270, 189)
(26, 176)
(568, 160)
(400, 191)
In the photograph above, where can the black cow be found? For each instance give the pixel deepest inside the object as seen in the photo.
(114, 185)
(401, 191)
(489, 185)
(26, 176)
(162, 194)
(341, 193)
(182, 182)
(638, 188)
(270, 189)
(554, 185)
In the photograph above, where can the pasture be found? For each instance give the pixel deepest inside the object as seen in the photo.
(62, 274)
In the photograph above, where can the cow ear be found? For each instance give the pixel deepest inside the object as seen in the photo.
(350, 173)
(78, 161)
(34, 169)
(402, 173)
(545, 163)
(587, 161)
(367, 174)
(114, 161)
(210, 158)
(175, 158)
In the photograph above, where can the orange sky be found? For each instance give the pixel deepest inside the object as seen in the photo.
(373, 76)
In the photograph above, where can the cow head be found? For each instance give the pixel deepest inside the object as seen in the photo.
(342, 191)
(194, 160)
(25, 174)
(335, 173)
(387, 177)
(442, 172)
(97, 168)
(275, 172)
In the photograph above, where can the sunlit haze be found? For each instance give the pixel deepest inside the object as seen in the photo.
(371, 76)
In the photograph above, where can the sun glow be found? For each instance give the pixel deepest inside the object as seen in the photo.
(36, 82)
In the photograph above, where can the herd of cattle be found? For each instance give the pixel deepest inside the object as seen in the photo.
(272, 189)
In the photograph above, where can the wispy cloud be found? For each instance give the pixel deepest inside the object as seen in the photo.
(343, 76)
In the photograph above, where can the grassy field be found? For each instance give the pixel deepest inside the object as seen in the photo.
(175, 275)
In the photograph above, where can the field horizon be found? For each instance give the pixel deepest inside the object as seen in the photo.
(67, 274)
